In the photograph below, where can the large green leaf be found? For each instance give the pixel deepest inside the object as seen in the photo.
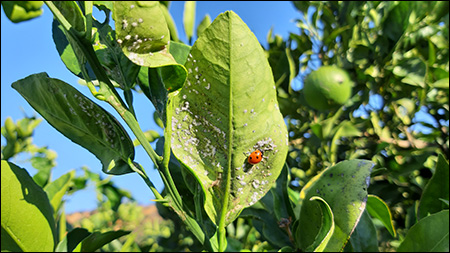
(437, 187)
(430, 234)
(27, 216)
(227, 109)
(80, 120)
(344, 188)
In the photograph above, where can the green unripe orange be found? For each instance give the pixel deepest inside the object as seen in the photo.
(327, 87)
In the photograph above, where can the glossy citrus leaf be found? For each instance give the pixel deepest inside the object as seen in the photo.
(344, 188)
(272, 215)
(81, 240)
(430, 234)
(96, 240)
(72, 239)
(68, 52)
(364, 237)
(72, 13)
(326, 227)
(377, 208)
(120, 70)
(226, 110)
(27, 216)
(117, 66)
(80, 120)
(265, 222)
(437, 187)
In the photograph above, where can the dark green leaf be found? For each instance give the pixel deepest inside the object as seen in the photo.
(377, 208)
(72, 239)
(413, 70)
(96, 240)
(396, 20)
(266, 223)
(437, 187)
(117, 66)
(72, 12)
(281, 197)
(68, 52)
(301, 6)
(364, 237)
(80, 120)
(344, 188)
(440, 10)
(156, 83)
(430, 234)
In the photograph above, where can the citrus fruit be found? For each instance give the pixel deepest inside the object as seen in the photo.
(327, 87)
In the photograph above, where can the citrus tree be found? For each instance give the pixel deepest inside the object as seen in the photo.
(242, 146)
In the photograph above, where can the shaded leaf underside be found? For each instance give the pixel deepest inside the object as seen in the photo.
(79, 119)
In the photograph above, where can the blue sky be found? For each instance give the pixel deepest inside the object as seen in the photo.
(27, 48)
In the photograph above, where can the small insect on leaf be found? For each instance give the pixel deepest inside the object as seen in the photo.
(255, 157)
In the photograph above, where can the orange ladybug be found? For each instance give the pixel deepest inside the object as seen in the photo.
(255, 157)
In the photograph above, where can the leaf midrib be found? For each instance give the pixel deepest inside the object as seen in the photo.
(226, 195)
